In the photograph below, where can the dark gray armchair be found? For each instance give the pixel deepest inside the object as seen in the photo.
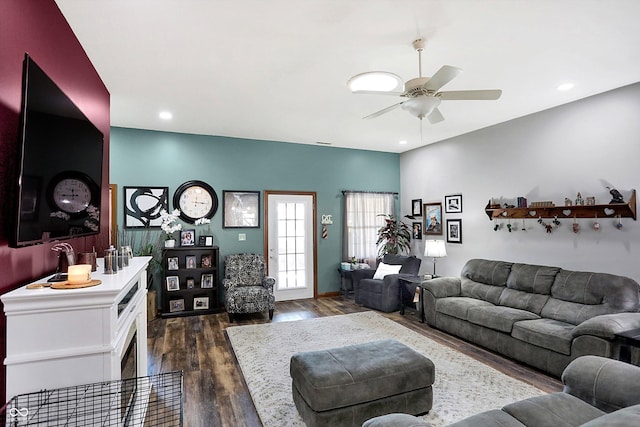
(384, 295)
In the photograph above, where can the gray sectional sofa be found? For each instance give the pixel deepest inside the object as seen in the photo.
(542, 316)
(598, 392)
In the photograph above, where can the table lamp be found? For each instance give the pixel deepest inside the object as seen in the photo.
(435, 249)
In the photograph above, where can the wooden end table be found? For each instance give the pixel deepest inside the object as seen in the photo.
(627, 340)
(408, 287)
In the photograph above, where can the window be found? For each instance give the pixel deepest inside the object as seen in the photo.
(364, 215)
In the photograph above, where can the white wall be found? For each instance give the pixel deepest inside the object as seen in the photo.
(578, 147)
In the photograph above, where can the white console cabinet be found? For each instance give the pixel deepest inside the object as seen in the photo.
(62, 338)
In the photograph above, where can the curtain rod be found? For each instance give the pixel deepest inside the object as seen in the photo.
(373, 192)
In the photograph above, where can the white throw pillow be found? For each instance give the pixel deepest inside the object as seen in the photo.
(384, 269)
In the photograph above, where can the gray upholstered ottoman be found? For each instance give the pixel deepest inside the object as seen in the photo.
(348, 385)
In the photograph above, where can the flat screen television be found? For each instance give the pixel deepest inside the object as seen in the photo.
(60, 175)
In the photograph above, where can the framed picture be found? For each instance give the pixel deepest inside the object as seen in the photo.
(454, 231)
(205, 241)
(201, 303)
(206, 261)
(142, 206)
(241, 209)
(176, 305)
(191, 283)
(416, 230)
(453, 204)
(188, 238)
(416, 207)
(190, 261)
(206, 281)
(432, 213)
(172, 263)
(173, 283)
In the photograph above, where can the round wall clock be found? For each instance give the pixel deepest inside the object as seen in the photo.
(72, 192)
(195, 199)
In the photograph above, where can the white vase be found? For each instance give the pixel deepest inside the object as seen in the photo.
(170, 243)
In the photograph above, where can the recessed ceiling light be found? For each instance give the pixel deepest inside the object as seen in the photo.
(565, 86)
(403, 142)
(380, 81)
(165, 115)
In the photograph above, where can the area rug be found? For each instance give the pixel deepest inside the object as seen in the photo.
(463, 386)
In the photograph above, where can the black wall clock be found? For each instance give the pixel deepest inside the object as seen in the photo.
(195, 199)
(72, 192)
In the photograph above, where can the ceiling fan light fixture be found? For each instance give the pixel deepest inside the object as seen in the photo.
(380, 81)
(421, 106)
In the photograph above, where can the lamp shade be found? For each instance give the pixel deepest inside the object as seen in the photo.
(435, 248)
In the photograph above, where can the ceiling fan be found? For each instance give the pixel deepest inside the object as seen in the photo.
(423, 92)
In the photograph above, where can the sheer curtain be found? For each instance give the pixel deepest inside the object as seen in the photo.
(362, 218)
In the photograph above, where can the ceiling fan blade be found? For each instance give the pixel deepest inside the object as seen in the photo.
(443, 76)
(435, 116)
(480, 95)
(376, 92)
(383, 111)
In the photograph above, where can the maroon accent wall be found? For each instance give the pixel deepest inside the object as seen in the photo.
(39, 28)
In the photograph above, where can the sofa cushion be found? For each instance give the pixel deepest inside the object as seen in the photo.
(571, 312)
(535, 279)
(459, 306)
(384, 269)
(523, 300)
(621, 418)
(497, 317)
(546, 333)
(486, 271)
(410, 264)
(396, 420)
(556, 409)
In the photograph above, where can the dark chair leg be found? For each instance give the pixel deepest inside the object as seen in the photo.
(230, 318)
(271, 314)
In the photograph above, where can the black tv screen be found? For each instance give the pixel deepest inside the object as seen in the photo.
(59, 186)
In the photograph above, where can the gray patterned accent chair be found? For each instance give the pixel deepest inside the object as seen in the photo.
(247, 287)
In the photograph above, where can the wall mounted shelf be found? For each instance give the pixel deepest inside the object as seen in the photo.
(623, 210)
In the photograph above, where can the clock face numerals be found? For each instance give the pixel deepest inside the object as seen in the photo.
(72, 195)
(195, 202)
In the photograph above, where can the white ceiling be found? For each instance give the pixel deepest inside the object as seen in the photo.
(277, 69)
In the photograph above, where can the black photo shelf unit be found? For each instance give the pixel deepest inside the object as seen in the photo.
(190, 281)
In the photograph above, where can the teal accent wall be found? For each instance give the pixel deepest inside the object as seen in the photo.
(152, 158)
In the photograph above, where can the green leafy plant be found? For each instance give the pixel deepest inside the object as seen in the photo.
(394, 237)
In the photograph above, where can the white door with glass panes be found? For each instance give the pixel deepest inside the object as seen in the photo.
(291, 244)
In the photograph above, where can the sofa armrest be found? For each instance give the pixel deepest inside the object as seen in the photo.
(442, 287)
(607, 325)
(605, 383)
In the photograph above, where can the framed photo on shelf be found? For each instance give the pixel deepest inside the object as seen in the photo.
(190, 261)
(176, 305)
(241, 209)
(172, 263)
(205, 241)
(173, 283)
(416, 207)
(206, 280)
(432, 218)
(201, 303)
(206, 261)
(454, 231)
(453, 204)
(191, 283)
(188, 238)
(142, 206)
(416, 230)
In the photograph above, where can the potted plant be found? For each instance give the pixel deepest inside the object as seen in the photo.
(169, 226)
(394, 237)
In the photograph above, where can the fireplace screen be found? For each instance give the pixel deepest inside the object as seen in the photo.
(151, 401)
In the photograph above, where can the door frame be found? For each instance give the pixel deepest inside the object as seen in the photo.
(314, 225)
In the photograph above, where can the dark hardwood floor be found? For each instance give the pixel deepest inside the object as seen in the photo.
(214, 390)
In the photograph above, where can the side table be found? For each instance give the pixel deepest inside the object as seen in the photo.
(408, 287)
(628, 339)
(346, 281)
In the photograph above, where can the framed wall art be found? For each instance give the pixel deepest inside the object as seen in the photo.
(454, 231)
(173, 283)
(188, 237)
(241, 209)
(432, 214)
(176, 305)
(201, 303)
(206, 280)
(416, 230)
(142, 206)
(453, 204)
(416, 207)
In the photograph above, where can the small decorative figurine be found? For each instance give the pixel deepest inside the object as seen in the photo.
(596, 224)
(616, 196)
(591, 200)
(567, 201)
(576, 226)
(579, 200)
(619, 224)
